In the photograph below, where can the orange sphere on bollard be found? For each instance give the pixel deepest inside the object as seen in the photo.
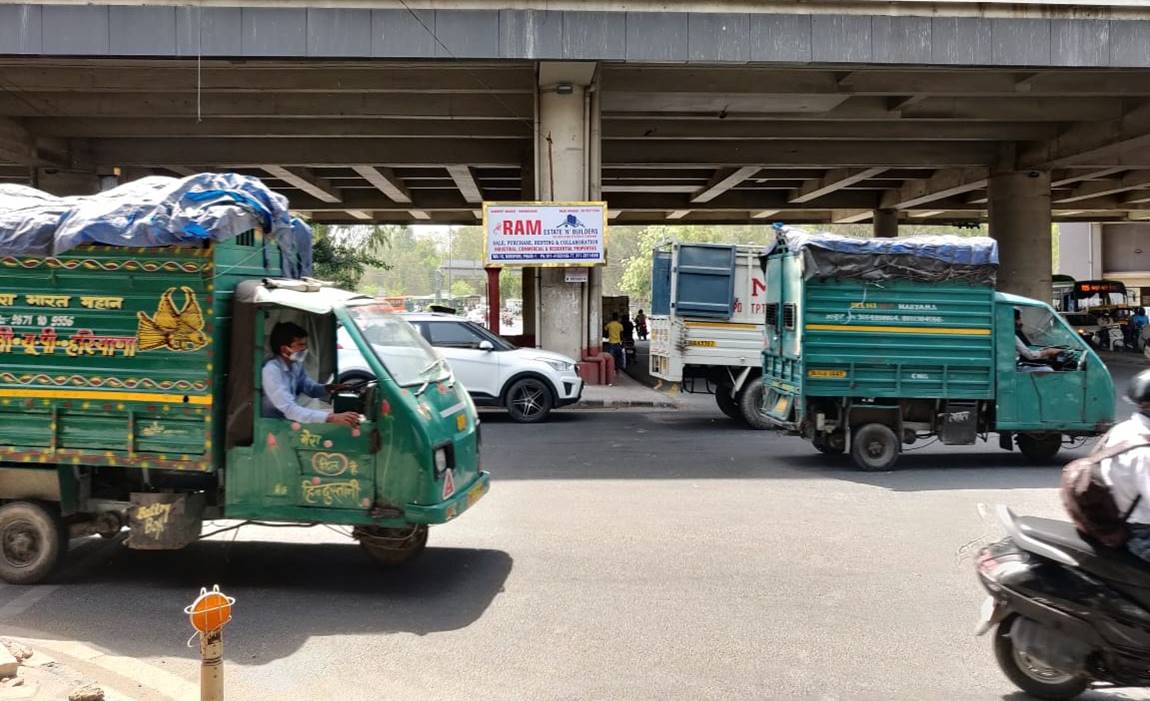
(211, 611)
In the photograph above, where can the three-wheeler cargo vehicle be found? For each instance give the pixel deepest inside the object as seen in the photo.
(875, 344)
(130, 397)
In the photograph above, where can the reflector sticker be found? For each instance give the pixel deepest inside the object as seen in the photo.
(449, 483)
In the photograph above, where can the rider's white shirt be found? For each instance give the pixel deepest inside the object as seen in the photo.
(1128, 475)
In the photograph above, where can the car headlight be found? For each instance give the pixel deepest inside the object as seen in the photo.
(558, 365)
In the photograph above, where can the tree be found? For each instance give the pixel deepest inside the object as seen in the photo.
(413, 262)
(343, 254)
(462, 288)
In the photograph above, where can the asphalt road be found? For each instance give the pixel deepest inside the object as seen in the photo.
(619, 555)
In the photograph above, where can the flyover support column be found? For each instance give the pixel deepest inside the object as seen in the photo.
(885, 223)
(1020, 220)
(565, 172)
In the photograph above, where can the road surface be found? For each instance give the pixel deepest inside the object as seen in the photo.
(619, 555)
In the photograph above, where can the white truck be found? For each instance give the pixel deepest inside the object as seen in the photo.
(707, 316)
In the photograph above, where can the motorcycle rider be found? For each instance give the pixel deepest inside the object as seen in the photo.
(1128, 475)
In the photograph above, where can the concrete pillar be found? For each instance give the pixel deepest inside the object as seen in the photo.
(1020, 220)
(563, 162)
(885, 223)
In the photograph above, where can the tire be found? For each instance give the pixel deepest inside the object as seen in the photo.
(727, 404)
(751, 405)
(829, 444)
(529, 401)
(32, 542)
(1030, 680)
(380, 543)
(875, 447)
(1039, 448)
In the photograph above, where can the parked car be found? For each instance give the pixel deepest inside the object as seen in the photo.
(528, 382)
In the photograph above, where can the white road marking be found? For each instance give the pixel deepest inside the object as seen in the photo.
(25, 601)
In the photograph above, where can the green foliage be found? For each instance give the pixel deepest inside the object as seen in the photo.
(414, 261)
(462, 288)
(343, 254)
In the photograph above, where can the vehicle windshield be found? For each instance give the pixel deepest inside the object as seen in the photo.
(1045, 328)
(409, 359)
(500, 343)
(1080, 320)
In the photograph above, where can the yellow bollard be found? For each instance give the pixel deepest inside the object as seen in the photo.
(209, 613)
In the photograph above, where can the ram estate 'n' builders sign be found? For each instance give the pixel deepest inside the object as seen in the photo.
(545, 233)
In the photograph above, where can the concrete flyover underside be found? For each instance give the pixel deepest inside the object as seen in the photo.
(748, 113)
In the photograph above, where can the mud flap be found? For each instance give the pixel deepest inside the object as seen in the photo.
(164, 521)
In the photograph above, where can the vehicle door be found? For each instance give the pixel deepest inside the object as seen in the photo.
(1036, 398)
(477, 368)
(301, 470)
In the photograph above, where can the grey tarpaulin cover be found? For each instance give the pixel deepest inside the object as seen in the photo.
(972, 259)
(152, 211)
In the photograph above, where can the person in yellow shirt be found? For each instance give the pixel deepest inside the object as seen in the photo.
(615, 341)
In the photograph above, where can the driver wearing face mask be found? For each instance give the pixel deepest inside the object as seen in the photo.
(284, 380)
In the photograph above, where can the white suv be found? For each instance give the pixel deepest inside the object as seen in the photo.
(529, 382)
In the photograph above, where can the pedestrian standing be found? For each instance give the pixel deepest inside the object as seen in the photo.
(641, 325)
(614, 331)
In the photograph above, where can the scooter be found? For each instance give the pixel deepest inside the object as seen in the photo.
(1067, 613)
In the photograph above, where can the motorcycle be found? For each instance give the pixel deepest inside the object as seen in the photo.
(1066, 613)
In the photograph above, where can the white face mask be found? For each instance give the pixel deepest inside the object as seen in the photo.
(298, 356)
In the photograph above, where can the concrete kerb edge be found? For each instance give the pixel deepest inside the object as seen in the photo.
(83, 657)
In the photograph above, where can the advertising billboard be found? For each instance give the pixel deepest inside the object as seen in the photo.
(545, 234)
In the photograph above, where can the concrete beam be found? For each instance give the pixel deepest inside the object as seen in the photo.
(274, 127)
(851, 217)
(941, 185)
(174, 75)
(385, 181)
(257, 105)
(835, 180)
(777, 130)
(813, 154)
(360, 214)
(465, 180)
(678, 214)
(1070, 177)
(1085, 142)
(1134, 180)
(304, 179)
(16, 143)
(254, 153)
(765, 213)
(722, 181)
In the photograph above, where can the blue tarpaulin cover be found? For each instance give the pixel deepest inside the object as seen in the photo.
(924, 258)
(153, 211)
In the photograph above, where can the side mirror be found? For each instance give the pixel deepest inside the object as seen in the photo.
(486, 346)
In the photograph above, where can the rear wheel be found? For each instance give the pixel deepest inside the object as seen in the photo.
(727, 403)
(392, 546)
(1030, 675)
(32, 542)
(529, 401)
(875, 447)
(1039, 447)
(751, 405)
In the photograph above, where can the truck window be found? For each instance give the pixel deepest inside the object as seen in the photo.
(398, 346)
(1044, 328)
(772, 314)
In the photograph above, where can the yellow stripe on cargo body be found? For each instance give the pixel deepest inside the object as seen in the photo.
(897, 329)
(108, 396)
(720, 325)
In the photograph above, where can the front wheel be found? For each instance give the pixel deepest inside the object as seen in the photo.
(1029, 674)
(32, 542)
(875, 447)
(751, 405)
(1039, 447)
(529, 401)
(392, 546)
